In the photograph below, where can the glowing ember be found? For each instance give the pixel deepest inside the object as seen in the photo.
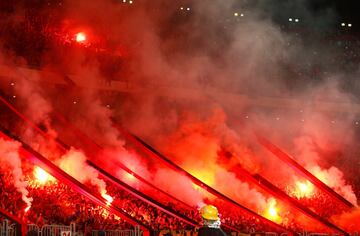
(303, 189)
(41, 175)
(108, 198)
(80, 37)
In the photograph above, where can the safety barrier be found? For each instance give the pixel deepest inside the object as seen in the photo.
(113, 233)
(135, 232)
(58, 230)
(6, 229)
(33, 230)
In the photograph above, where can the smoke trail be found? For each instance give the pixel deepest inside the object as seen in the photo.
(321, 134)
(241, 191)
(179, 186)
(74, 163)
(116, 157)
(350, 221)
(334, 178)
(37, 107)
(100, 125)
(166, 179)
(201, 140)
(9, 155)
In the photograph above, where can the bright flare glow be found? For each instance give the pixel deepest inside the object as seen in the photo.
(271, 212)
(80, 37)
(108, 198)
(236, 14)
(41, 175)
(130, 176)
(205, 175)
(303, 189)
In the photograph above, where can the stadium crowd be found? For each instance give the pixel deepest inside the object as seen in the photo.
(55, 203)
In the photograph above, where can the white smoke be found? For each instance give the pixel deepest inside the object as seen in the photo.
(9, 155)
(74, 163)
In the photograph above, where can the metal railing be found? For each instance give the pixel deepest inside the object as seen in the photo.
(32, 227)
(4, 228)
(113, 233)
(58, 230)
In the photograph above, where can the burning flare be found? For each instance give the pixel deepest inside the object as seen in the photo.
(41, 175)
(303, 189)
(271, 212)
(80, 37)
(108, 198)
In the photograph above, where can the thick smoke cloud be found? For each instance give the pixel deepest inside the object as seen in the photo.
(185, 71)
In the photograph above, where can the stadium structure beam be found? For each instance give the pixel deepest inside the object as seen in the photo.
(96, 147)
(266, 185)
(141, 195)
(59, 143)
(39, 160)
(151, 152)
(65, 147)
(283, 156)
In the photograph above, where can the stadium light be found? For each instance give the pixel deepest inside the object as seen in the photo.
(290, 19)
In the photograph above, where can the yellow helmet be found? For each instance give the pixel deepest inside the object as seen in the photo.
(209, 212)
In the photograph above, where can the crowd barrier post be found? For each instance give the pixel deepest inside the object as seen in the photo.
(5, 228)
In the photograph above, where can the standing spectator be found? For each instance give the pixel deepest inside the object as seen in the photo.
(211, 222)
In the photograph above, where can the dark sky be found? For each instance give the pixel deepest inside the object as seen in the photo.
(318, 14)
(346, 10)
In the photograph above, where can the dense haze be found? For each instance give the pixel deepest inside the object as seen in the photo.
(200, 83)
